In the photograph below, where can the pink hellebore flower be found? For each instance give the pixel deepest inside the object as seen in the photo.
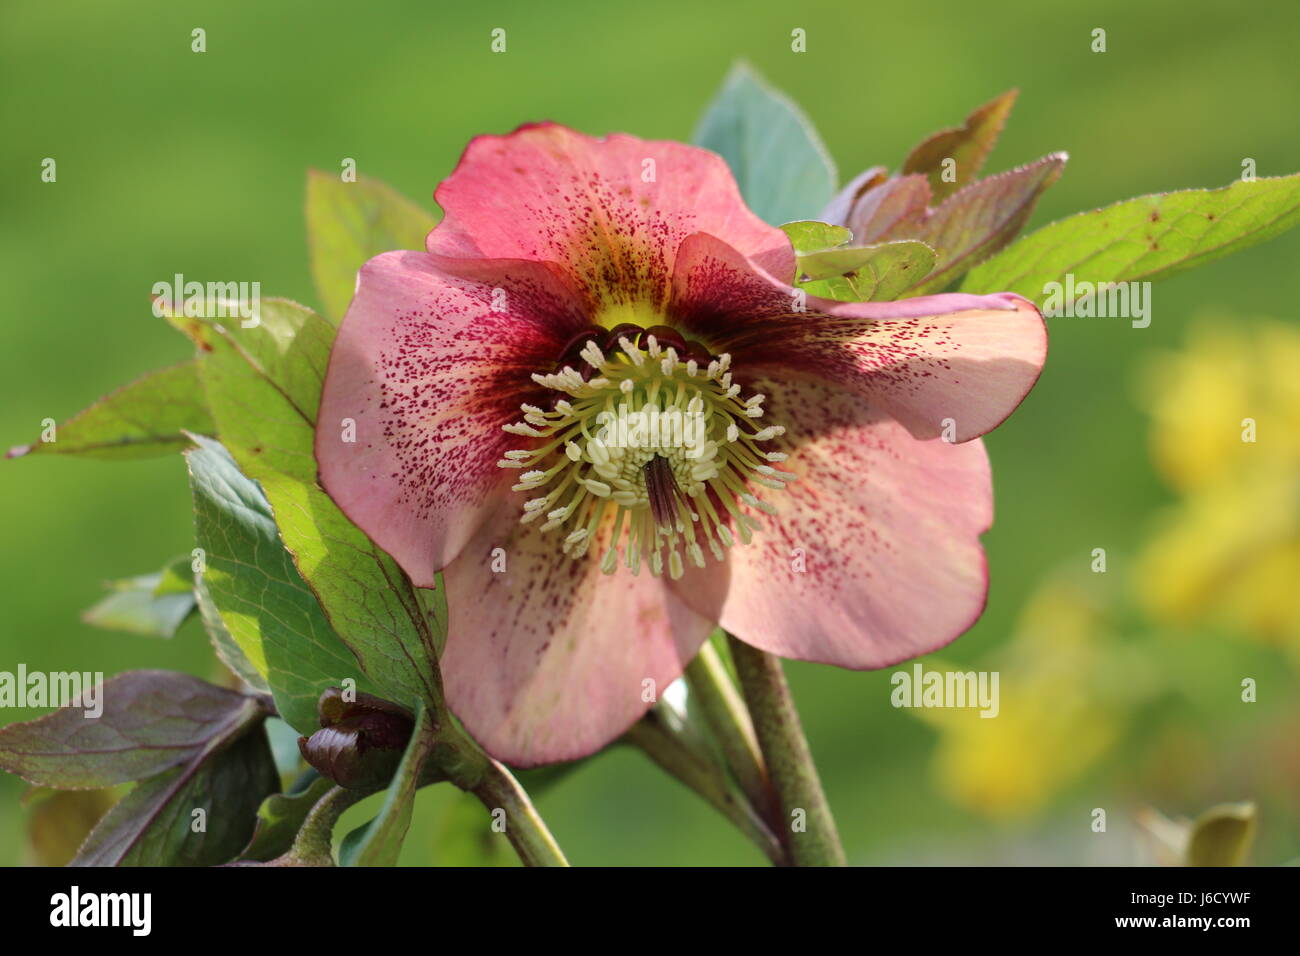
(793, 486)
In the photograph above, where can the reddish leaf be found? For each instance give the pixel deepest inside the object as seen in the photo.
(889, 210)
(151, 721)
(838, 209)
(978, 221)
(153, 825)
(967, 145)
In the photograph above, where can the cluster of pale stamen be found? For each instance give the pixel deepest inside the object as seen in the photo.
(582, 475)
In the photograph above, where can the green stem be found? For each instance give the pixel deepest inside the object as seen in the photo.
(525, 828)
(789, 761)
(703, 776)
(713, 691)
(468, 767)
(313, 846)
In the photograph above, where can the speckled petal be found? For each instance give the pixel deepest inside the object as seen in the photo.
(953, 365)
(874, 555)
(547, 659)
(611, 211)
(432, 358)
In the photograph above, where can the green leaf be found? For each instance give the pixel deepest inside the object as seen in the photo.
(1143, 239)
(783, 170)
(279, 819)
(269, 611)
(348, 223)
(967, 145)
(978, 221)
(434, 605)
(157, 823)
(177, 577)
(876, 273)
(284, 747)
(288, 350)
(154, 605)
(263, 385)
(1222, 836)
(224, 644)
(150, 721)
(809, 236)
(379, 842)
(144, 419)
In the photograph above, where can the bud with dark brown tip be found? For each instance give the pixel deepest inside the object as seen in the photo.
(360, 742)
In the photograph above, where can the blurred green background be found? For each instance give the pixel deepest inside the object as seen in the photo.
(171, 161)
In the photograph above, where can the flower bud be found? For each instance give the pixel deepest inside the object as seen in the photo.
(360, 742)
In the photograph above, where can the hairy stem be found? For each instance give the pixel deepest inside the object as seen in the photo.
(713, 691)
(313, 845)
(807, 827)
(466, 765)
(525, 828)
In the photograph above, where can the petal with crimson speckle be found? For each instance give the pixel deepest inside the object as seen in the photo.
(971, 359)
(547, 660)
(885, 527)
(612, 212)
(432, 358)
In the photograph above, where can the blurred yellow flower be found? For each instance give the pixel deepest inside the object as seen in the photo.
(1226, 434)
(1066, 686)
(1204, 397)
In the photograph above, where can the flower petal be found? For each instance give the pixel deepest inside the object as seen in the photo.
(549, 659)
(432, 359)
(953, 365)
(885, 528)
(611, 211)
